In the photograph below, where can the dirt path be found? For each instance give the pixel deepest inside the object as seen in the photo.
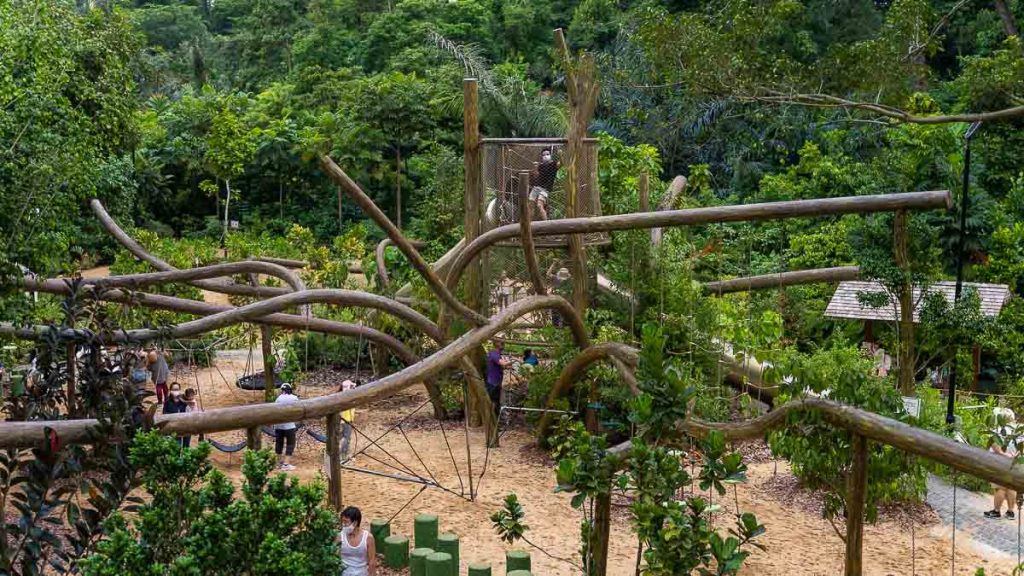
(797, 541)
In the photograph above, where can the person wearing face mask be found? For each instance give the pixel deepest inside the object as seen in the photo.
(543, 181)
(358, 550)
(175, 404)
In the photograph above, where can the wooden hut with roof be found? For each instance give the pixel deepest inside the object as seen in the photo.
(846, 303)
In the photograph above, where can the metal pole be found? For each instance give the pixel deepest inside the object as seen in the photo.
(961, 249)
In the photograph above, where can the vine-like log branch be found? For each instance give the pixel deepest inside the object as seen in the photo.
(829, 101)
(191, 274)
(716, 214)
(675, 189)
(382, 269)
(623, 357)
(525, 238)
(142, 254)
(255, 311)
(401, 242)
(778, 280)
(28, 434)
(185, 306)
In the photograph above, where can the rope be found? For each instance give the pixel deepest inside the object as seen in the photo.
(462, 487)
(406, 505)
(382, 449)
(417, 454)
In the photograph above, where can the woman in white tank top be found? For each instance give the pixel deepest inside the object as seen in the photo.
(358, 550)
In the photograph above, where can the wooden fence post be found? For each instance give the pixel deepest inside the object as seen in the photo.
(644, 186)
(856, 494)
(252, 438)
(334, 460)
(600, 534)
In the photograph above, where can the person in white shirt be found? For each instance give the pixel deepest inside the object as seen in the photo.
(284, 433)
(1003, 443)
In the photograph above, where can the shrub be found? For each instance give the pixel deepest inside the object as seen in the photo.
(192, 525)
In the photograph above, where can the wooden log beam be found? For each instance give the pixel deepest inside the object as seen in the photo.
(856, 496)
(382, 268)
(28, 434)
(525, 238)
(965, 458)
(142, 254)
(781, 279)
(353, 267)
(401, 242)
(715, 214)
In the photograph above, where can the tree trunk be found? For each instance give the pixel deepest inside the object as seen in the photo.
(227, 209)
(340, 225)
(905, 376)
(1009, 22)
(398, 187)
(856, 494)
(334, 496)
(280, 200)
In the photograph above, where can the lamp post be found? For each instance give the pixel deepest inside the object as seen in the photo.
(961, 252)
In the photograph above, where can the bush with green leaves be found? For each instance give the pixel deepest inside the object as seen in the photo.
(821, 455)
(192, 524)
(676, 533)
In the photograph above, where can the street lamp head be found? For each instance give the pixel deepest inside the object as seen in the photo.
(971, 130)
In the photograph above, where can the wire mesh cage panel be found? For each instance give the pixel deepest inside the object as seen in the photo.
(508, 281)
(542, 162)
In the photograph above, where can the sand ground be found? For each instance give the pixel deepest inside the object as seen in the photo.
(797, 541)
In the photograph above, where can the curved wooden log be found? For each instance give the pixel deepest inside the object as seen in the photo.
(769, 281)
(382, 269)
(377, 215)
(142, 254)
(28, 434)
(353, 268)
(715, 214)
(525, 238)
(622, 356)
(201, 273)
(255, 311)
(675, 189)
(918, 441)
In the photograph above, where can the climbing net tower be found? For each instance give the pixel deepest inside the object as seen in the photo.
(511, 165)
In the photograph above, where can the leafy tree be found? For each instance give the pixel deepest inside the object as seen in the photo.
(192, 525)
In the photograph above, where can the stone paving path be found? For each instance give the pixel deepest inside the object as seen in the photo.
(1000, 534)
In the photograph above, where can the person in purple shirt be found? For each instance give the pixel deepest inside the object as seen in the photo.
(495, 375)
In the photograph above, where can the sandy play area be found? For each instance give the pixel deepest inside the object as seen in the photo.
(797, 541)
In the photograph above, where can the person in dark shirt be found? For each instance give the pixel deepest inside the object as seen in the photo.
(530, 358)
(543, 180)
(495, 375)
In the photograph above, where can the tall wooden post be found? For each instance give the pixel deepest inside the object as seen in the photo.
(473, 210)
(267, 348)
(252, 438)
(334, 460)
(905, 294)
(644, 186)
(473, 216)
(856, 494)
(582, 88)
(600, 534)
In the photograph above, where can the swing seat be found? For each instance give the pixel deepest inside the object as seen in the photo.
(227, 448)
(256, 382)
(321, 438)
